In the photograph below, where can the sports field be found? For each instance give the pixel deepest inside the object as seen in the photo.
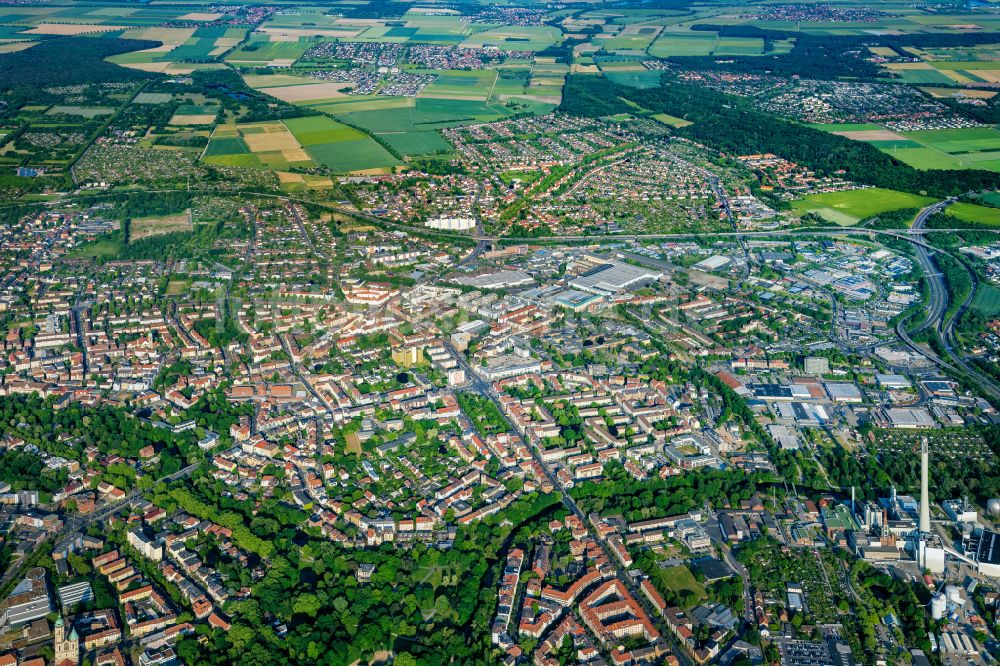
(673, 121)
(987, 300)
(851, 206)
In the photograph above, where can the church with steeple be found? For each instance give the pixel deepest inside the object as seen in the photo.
(67, 645)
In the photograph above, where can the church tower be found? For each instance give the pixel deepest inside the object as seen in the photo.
(67, 647)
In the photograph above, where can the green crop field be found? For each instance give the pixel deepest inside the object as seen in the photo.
(925, 158)
(739, 46)
(426, 114)
(338, 146)
(515, 38)
(261, 51)
(226, 146)
(673, 44)
(470, 85)
(923, 76)
(851, 206)
(416, 143)
(968, 140)
(316, 130)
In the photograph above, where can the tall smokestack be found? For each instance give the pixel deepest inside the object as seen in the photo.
(925, 502)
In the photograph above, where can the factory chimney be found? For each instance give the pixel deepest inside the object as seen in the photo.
(925, 502)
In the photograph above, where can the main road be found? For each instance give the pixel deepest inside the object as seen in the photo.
(79, 522)
(937, 302)
(485, 388)
(937, 308)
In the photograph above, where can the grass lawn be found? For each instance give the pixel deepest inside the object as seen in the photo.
(972, 213)
(642, 79)
(104, 248)
(846, 127)
(856, 205)
(681, 582)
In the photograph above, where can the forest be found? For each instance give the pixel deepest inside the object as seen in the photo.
(817, 56)
(70, 60)
(312, 589)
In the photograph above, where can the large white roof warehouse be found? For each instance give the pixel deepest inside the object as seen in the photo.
(614, 276)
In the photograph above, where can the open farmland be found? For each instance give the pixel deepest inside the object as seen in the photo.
(339, 147)
(268, 144)
(263, 51)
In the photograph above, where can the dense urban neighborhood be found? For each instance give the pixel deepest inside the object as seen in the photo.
(620, 333)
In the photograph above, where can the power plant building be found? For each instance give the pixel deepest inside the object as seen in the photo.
(988, 554)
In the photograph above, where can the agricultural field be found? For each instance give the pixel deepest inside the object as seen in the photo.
(412, 129)
(851, 206)
(970, 148)
(341, 148)
(183, 50)
(264, 51)
(195, 114)
(963, 148)
(476, 85)
(515, 38)
(633, 38)
(258, 145)
(298, 182)
(682, 44)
